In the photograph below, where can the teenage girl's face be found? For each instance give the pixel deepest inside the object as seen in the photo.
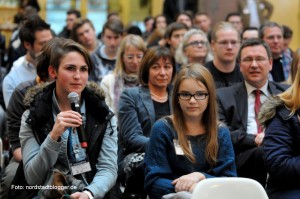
(72, 74)
(192, 109)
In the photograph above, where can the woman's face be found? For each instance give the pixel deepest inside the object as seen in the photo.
(161, 22)
(132, 59)
(196, 47)
(160, 73)
(193, 109)
(72, 74)
(185, 19)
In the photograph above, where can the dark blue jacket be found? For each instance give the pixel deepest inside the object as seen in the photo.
(282, 151)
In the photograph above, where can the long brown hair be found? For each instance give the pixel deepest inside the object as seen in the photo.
(209, 119)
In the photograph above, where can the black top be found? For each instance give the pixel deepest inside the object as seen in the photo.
(224, 79)
(277, 70)
(161, 109)
(15, 110)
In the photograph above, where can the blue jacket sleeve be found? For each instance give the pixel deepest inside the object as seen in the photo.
(157, 168)
(281, 149)
(131, 132)
(225, 166)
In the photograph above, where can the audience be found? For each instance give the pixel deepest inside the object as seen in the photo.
(287, 38)
(159, 28)
(225, 45)
(72, 15)
(239, 105)
(48, 132)
(34, 33)
(134, 30)
(139, 108)
(248, 33)
(272, 34)
(125, 74)
(174, 35)
(281, 117)
(190, 145)
(16, 49)
(84, 33)
(185, 17)
(148, 23)
(15, 110)
(104, 57)
(235, 19)
(194, 48)
(157, 129)
(202, 21)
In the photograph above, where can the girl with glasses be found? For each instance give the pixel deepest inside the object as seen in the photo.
(190, 145)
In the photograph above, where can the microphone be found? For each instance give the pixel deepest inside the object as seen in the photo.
(74, 100)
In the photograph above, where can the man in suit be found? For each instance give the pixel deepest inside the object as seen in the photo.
(239, 104)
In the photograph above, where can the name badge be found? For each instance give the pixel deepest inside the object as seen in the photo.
(178, 149)
(80, 167)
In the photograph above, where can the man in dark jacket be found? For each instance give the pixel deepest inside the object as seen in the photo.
(239, 106)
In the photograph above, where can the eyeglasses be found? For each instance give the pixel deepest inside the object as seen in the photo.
(188, 96)
(225, 44)
(258, 60)
(196, 44)
(130, 58)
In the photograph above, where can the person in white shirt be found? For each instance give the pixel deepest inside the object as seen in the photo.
(34, 33)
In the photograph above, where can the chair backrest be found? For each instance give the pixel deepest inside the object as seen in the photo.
(229, 188)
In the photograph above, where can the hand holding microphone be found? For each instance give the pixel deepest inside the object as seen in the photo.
(74, 100)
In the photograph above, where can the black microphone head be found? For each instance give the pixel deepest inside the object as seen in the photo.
(73, 97)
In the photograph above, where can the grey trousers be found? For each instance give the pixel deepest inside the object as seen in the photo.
(7, 178)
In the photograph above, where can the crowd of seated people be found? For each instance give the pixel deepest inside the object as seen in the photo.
(150, 115)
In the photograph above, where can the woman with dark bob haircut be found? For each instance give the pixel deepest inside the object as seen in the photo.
(139, 108)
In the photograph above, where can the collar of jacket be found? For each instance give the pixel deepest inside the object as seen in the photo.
(39, 100)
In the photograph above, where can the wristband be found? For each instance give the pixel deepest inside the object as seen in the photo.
(89, 194)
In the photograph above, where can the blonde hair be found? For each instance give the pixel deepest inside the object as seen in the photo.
(210, 119)
(128, 41)
(222, 25)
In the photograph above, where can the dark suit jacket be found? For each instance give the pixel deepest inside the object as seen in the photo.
(233, 111)
(136, 117)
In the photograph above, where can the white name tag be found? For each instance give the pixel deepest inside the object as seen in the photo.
(178, 149)
(80, 167)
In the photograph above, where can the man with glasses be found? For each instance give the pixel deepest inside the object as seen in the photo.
(225, 45)
(239, 105)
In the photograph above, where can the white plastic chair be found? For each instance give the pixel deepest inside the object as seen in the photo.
(229, 188)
